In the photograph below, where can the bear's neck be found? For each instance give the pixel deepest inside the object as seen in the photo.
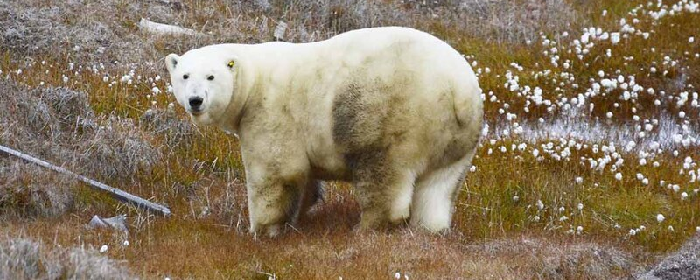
(231, 119)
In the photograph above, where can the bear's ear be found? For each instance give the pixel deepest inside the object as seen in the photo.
(171, 61)
(232, 61)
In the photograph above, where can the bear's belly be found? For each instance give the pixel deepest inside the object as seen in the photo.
(331, 175)
(327, 165)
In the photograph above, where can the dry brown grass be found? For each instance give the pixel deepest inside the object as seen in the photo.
(147, 146)
(106, 32)
(22, 258)
(328, 248)
(59, 125)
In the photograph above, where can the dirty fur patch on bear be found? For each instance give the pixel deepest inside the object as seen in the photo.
(358, 119)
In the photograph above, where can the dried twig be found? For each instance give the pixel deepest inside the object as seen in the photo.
(165, 29)
(116, 193)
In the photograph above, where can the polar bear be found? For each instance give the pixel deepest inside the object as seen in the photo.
(393, 110)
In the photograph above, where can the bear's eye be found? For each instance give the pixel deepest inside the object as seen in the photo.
(211, 78)
(185, 76)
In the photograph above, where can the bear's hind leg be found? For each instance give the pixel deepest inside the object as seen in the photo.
(384, 196)
(436, 192)
(400, 194)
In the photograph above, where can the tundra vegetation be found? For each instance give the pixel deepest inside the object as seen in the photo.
(587, 166)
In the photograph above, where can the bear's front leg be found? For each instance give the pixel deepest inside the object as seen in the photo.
(270, 202)
(310, 194)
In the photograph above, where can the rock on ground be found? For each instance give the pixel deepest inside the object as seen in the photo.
(683, 264)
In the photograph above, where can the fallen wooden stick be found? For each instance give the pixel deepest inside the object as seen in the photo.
(165, 29)
(116, 193)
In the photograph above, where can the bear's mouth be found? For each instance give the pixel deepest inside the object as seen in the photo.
(196, 113)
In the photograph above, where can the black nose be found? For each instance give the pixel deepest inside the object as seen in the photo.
(195, 102)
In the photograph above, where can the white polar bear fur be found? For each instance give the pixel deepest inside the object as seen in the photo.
(394, 110)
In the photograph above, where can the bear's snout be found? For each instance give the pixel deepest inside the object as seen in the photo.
(196, 104)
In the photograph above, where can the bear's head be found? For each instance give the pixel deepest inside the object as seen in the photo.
(203, 81)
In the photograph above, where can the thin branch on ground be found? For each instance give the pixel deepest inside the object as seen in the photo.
(114, 192)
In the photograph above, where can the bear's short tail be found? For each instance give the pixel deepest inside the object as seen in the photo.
(468, 105)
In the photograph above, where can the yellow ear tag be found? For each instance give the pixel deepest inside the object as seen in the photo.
(230, 64)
